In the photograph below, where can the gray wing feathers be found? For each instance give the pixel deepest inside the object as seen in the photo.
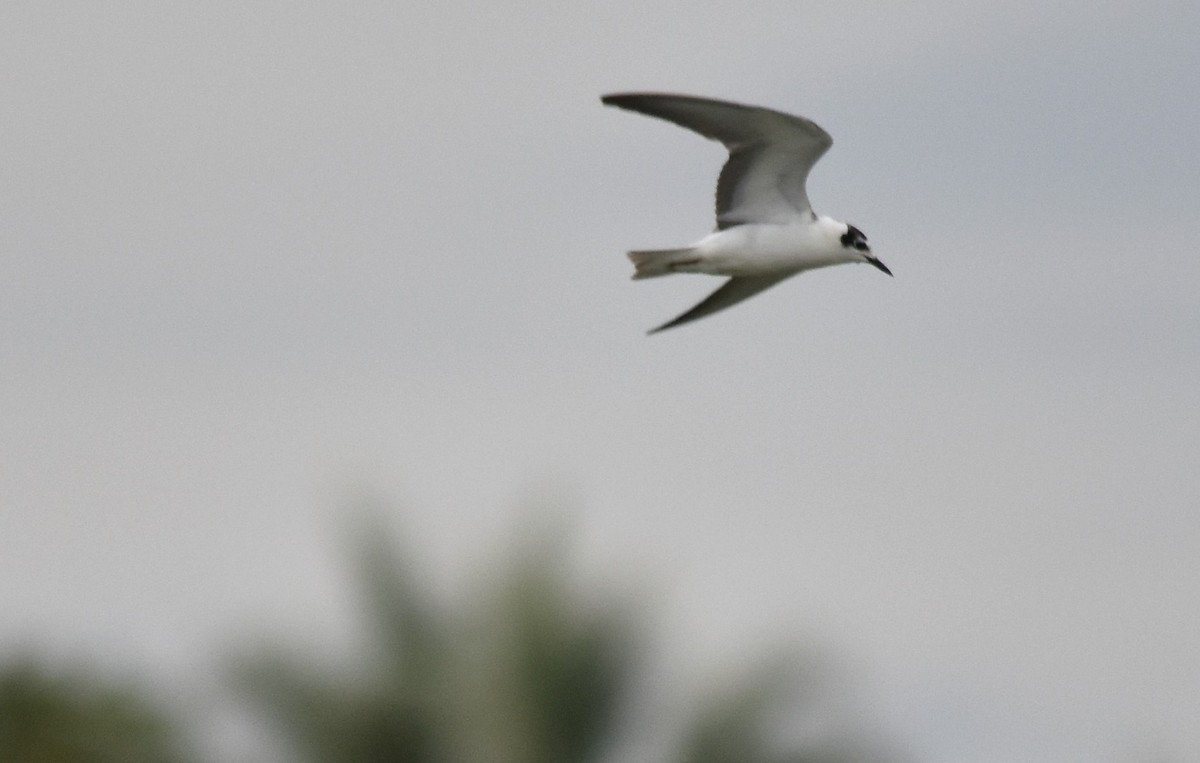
(730, 123)
(770, 153)
(730, 293)
(735, 169)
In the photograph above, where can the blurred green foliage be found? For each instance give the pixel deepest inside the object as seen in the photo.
(531, 670)
(76, 717)
(530, 674)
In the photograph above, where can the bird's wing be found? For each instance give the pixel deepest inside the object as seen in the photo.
(730, 293)
(770, 153)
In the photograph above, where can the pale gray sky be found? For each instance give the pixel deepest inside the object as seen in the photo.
(260, 257)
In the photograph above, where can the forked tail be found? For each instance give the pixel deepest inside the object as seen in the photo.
(650, 263)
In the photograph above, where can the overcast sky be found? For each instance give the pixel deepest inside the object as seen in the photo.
(259, 259)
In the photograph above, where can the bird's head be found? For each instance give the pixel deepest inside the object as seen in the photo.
(855, 241)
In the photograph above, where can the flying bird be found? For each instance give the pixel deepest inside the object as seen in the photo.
(766, 228)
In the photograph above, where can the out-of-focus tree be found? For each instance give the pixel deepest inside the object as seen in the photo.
(530, 671)
(76, 717)
(738, 724)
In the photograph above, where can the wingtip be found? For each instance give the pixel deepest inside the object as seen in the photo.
(662, 327)
(623, 100)
(669, 324)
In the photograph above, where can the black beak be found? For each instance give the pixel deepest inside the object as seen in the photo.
(878, 264)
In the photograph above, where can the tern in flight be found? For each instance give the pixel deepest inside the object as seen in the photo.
(766, 229)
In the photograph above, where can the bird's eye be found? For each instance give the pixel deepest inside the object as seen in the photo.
(860, 246)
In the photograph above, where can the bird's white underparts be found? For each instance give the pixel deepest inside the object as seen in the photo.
(766, 228)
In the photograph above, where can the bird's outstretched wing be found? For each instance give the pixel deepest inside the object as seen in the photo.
(770, 153)
(730, 293)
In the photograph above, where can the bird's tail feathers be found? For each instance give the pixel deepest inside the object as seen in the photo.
(651, 263)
